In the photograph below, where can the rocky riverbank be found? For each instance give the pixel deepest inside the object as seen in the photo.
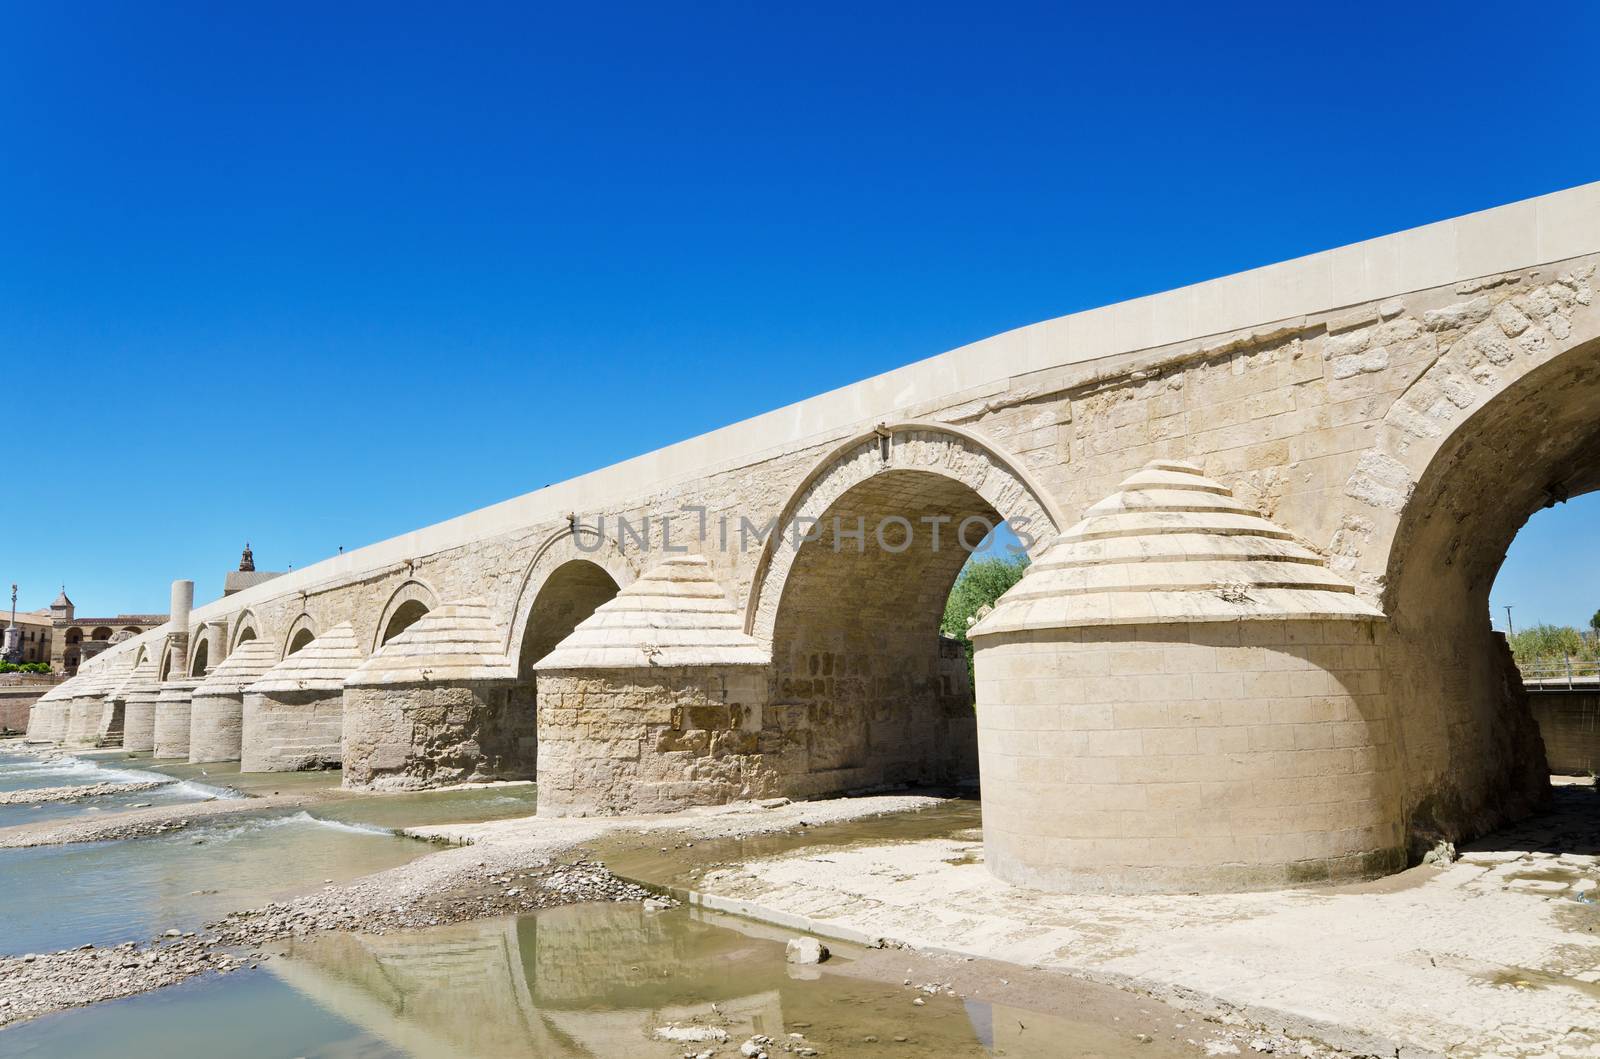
(448, 887)
(139, 823)
(498, 868)
(41, 795)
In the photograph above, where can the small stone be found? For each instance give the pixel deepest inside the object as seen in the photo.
(805, 950)
(919, 1002)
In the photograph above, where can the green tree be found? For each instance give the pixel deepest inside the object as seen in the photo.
(980, 583)
(1594, 623)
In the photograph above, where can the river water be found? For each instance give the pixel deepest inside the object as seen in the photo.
(584, 980)
(596, 979)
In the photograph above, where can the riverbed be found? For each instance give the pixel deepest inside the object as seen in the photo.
(581, 980)
(322, 928)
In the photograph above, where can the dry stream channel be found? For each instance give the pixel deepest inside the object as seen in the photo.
(595, 978)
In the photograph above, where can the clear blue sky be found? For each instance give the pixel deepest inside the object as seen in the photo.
(318, 274)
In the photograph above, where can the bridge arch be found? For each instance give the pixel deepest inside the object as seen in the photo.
(301, 632)
(244, 629)
(406, 605)
(1516, 431)
(582, 545)
(851, 592)
(1001, 481)
(199, 651)
(567, 579)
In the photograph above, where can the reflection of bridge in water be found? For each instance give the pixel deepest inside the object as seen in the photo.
(586, 980)
(598, 980)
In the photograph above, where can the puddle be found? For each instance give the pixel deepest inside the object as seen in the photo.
(680, 864)
(584, 980)
(423, 808)
(57, 897)
(1527, 978)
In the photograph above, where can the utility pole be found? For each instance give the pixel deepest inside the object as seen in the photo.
(1510, 630)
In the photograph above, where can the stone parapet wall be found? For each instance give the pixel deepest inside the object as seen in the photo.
(1176, 757)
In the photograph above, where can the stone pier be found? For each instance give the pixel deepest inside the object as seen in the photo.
(216, 709)
(1179, 696)
(294, 715)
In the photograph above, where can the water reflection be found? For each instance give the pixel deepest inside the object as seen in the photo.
(600, 980)
(595, 980)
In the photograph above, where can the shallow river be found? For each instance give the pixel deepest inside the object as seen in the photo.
(585, 980)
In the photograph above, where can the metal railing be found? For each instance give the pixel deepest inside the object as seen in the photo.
(1560, 673)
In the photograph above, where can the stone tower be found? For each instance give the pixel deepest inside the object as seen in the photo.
(62, 610)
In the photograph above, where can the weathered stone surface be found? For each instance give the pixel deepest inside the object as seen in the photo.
(171, 733)
(1398, 408)
(294, 715)
(432, 707)
(216, 711)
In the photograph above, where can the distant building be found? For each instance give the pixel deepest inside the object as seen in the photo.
(56, 634)
(72, 639)
(247, 576)
(36, 627)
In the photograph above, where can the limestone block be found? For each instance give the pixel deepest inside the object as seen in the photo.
(294, 715)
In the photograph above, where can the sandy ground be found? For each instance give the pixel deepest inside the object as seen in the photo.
(1496, 954)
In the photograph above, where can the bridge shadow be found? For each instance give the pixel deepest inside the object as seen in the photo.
(1569, 824)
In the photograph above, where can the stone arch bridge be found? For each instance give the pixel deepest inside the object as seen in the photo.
(1254, 648)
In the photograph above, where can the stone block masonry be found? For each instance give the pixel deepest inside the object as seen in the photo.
(1393, 412)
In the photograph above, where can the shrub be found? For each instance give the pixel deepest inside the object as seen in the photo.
(1548, 643)
(981, 582)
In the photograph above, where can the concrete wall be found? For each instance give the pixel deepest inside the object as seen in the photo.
(1569, 722)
